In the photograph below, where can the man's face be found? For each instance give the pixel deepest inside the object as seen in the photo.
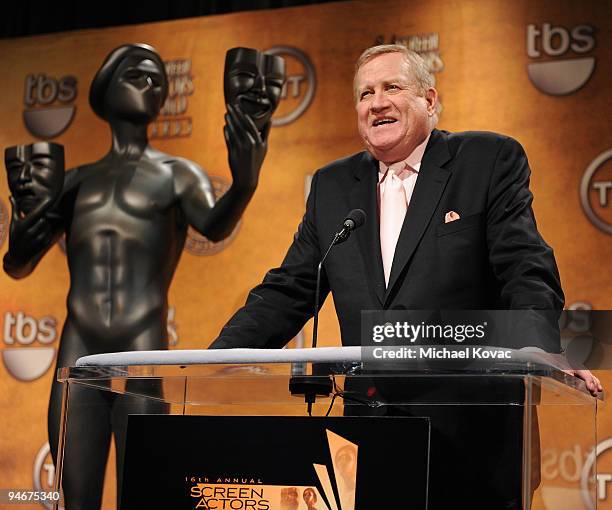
(254, 82)
(35, 174)
(392, 118)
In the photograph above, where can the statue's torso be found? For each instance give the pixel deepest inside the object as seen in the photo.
(124, 237)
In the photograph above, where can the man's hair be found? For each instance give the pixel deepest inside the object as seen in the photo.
(417, 68)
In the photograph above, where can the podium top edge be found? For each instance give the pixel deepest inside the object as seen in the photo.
(224, 356)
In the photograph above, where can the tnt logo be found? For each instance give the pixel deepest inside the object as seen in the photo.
(299, 89)
(560, 76)
(21, 330)
(602, 456)
(48, 104)
(44, 473)
(596, 192)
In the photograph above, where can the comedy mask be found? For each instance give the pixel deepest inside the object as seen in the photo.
(254, 81)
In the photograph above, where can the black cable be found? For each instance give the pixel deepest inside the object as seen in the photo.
(339, 392)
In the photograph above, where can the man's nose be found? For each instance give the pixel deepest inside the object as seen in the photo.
(379, 102)
(25, 175)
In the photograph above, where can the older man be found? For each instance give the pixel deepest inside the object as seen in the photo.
(449, 219)
(449, 226)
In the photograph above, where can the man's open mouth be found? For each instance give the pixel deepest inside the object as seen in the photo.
(382, 122)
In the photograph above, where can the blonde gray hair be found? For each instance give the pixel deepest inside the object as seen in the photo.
(417, 68)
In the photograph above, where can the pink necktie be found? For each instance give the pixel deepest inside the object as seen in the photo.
(393, 208)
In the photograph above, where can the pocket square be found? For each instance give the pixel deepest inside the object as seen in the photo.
(451, 216)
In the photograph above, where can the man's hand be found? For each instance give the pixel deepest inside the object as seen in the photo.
(592, 383)
(246, 148)
(559, 361)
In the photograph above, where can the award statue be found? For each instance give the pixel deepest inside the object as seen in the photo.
(125, 218)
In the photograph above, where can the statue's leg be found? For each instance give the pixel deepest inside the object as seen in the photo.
(88, 433)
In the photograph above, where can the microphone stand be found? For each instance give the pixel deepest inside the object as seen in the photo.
(315, 325)
(313, 386)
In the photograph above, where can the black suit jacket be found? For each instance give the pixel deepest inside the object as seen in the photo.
(491, 258)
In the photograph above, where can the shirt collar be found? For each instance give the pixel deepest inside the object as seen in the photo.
(413, 160)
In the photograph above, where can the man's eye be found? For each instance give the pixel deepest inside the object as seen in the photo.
(392, 87)
(365, 94)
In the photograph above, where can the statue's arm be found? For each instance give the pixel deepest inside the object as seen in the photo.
(29, 239)
(246, 151)
(194, 191)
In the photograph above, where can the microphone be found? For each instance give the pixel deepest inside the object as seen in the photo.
(311, 387)
(354, 219)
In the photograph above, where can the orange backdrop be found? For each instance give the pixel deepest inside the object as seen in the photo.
(536, 71)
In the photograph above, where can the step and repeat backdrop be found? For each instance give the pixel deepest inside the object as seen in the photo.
(537, 71)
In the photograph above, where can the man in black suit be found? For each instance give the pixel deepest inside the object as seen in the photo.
(449, 226)
(469, 239)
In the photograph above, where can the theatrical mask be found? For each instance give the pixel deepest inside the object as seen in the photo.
(253, 81)
(35, 175)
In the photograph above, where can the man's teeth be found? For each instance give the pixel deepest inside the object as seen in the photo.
(380, 122)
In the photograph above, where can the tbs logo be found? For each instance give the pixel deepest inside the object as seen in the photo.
(21, 330)
(560, 76)
(42, 115)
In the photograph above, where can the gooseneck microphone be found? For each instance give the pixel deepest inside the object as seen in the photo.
(354, 219)
(308, 386)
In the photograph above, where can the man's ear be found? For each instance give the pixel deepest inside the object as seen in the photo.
(431, 96)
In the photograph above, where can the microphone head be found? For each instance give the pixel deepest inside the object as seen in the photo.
(355, 219)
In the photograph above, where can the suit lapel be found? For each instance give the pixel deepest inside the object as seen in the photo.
(427, 192)
(363, 196)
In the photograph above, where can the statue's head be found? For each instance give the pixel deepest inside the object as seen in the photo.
(35, 174)
(130, 85)
(253, 81)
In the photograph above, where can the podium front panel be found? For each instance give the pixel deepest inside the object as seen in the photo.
(487, 441)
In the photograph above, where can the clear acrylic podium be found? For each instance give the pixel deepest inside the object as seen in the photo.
(552, 411)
